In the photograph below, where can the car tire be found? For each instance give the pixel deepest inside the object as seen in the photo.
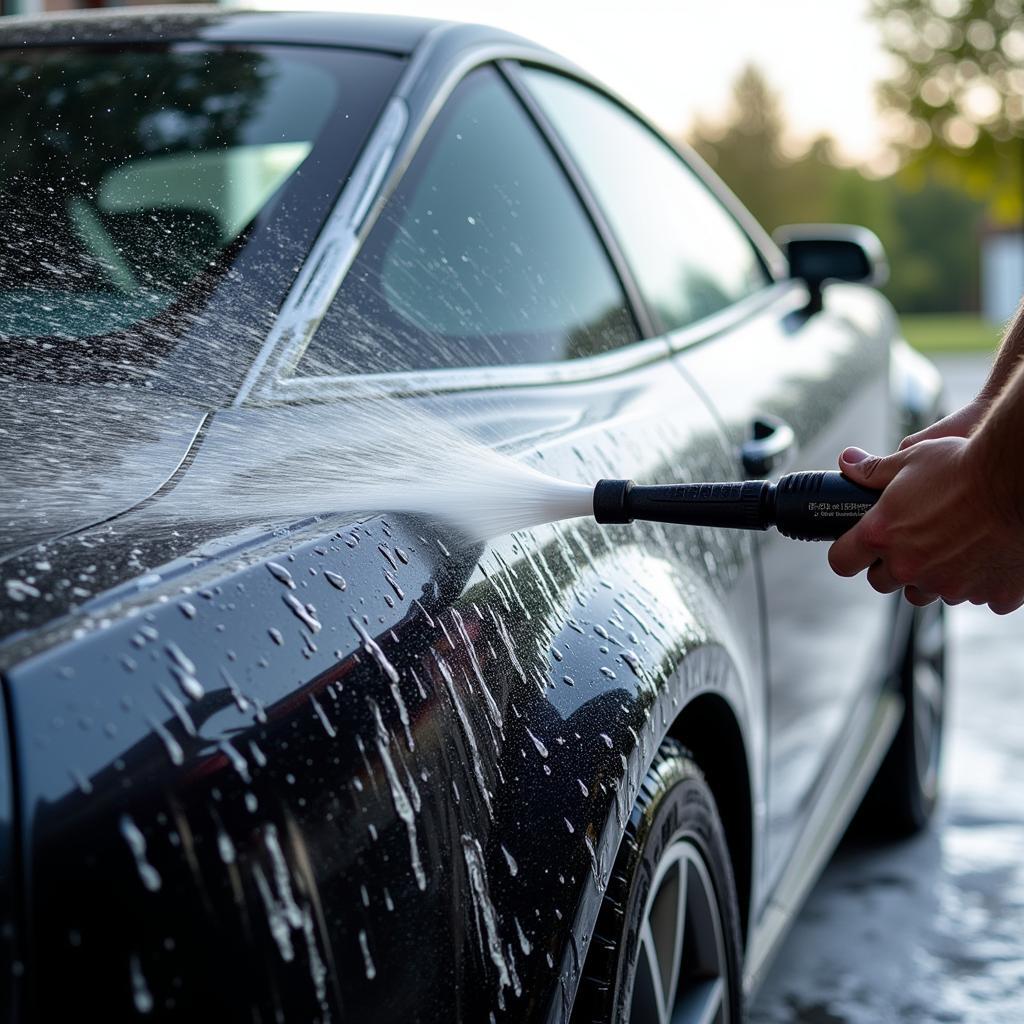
(670, 916)
(903, 796)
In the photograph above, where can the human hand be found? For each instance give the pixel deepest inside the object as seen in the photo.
(939, 530)
(956, 424)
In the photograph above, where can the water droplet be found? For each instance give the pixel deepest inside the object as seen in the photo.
(541, 749)
(140, 990)
(371, 970)
(335, 580)
(281, 574)
(171, 745)
(373, 649)
(398, 795)
(136, 841)
(322, 715)
(633, 661)
(180, 658)
(306, 614)
(225, 847)
(513, 867)
(237, 761)
(394, 585)
(184, 670)
(524, 943)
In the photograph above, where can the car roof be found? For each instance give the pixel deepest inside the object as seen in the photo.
(387, 33)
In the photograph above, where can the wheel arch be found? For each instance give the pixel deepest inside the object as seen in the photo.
(709, 729)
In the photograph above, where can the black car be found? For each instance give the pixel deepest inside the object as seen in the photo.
(272, 752)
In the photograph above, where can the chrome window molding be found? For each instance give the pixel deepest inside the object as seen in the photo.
(332, 253)
(471, 378)
(324, 269)
(780, 296)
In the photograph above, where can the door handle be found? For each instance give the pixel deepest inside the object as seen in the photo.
(772, 445)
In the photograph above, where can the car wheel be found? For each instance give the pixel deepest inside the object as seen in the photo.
(903, 796)
(666, 945)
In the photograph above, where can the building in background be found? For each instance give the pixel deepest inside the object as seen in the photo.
(45, 6)
(1002, 273)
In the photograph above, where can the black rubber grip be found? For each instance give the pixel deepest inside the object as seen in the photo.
(742, 506)
(819, 505)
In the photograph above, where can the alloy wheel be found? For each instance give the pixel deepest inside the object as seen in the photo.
(681, 963)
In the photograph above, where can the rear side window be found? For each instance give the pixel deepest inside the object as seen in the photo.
(483, 256)
(690, 256)
(132, 179)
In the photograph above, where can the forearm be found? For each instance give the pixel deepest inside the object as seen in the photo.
(997, 443)
(1008, 358)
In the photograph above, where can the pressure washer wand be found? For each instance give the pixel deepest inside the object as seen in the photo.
(803, 506)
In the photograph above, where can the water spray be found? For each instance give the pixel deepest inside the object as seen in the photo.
(802, 506)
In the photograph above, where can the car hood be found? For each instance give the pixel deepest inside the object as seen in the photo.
(73, 457)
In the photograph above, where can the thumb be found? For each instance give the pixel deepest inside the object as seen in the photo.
(874, 471)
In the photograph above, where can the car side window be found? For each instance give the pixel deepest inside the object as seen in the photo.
(690, 256)
(483, 256)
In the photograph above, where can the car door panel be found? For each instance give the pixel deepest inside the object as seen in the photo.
(827, 377)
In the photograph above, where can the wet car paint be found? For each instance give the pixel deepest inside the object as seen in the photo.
(368, 783)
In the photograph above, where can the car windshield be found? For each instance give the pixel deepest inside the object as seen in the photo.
(140, 186)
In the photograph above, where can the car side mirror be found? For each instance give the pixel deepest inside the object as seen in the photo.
(832, 252)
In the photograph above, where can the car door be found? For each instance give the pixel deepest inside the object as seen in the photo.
(789, 387)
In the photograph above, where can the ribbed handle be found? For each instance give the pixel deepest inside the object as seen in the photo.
(819, 505)
(738, 506)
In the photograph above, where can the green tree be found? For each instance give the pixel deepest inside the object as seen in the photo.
(747, 143)
(746, 150)
(927, 224)
(958, 93)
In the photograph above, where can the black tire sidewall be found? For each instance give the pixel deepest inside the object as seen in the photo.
(675, 803)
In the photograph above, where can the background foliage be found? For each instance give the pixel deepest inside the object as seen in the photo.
(955, 106)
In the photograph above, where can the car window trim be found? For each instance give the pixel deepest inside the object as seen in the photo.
(777, 300)
(341, 236)
(272, 380)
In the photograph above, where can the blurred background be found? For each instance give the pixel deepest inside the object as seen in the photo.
(906, 116)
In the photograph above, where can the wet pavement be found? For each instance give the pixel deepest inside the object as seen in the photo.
(931, 929)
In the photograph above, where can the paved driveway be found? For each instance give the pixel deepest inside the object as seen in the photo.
(930, 930)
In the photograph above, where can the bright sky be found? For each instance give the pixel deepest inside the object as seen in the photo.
(676, 58)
